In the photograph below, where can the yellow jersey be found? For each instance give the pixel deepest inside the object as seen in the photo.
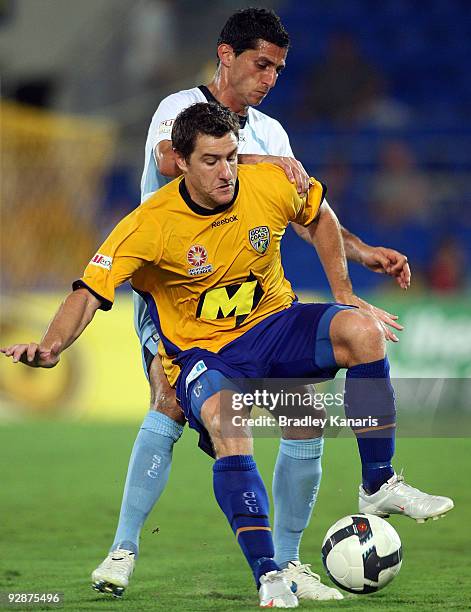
(207, 276)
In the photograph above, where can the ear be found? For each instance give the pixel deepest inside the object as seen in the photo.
(180, 161)
(226, 54)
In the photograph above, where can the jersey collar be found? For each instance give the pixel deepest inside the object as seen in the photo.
(210, 98)
(206, 212)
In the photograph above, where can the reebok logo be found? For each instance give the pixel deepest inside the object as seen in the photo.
(224, 221)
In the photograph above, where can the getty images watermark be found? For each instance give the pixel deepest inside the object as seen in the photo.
(309, 408)
(425, 407)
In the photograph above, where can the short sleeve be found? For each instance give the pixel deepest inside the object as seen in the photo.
(136, 241)
(284, 195)
(308, 207)
(164, 117)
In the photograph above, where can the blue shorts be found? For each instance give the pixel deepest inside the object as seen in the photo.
(293, 343)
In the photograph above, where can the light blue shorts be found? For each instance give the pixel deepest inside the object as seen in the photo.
(146, 331)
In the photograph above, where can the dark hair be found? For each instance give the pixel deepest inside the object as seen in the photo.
(206, 118)
(244, 28)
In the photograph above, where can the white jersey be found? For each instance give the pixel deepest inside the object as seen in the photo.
(259, 135)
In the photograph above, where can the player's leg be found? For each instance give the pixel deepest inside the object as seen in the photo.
(240, 492)
(206, 392)
(296, 482)
(358, 344)
(150, 461)
(149, 464)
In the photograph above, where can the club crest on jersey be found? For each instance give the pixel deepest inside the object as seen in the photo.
(197, 257)
(260, 238)
(102, 261)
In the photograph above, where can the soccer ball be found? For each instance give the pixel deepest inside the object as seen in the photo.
(362, 553)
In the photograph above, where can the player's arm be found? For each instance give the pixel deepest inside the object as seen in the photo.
(135, 242)
(160, 132)
(165, 159)
(326, 236)
(378, 259)
(72, 317)
(382, 260)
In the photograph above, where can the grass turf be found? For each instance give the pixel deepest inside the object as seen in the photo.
(61, 489)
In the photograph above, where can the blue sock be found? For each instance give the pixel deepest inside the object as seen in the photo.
(296, 481)
(242, 497)
(369, 393)
(148, 471)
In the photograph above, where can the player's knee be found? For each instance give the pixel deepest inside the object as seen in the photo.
(228, 439)
(353, 327)
(162, 396)
(367, 326)
(211, 416)
(228, 435)
(357, 337)
(166, 403)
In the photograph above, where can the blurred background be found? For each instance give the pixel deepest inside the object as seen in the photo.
(376, 99)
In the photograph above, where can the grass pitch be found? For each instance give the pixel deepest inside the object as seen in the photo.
(61, 487)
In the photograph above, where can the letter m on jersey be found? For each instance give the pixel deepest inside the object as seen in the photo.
(230, 301)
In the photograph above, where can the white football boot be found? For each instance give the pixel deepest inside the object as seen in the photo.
(397, 497)
(112, 576)
(275, 591)
(309, 585)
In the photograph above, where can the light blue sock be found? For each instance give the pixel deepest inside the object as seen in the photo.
(148, 471)
(296, 482)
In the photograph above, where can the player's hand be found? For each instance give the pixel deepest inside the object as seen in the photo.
(388, 261)
(33, 354)
(293, 169)
(385, 319)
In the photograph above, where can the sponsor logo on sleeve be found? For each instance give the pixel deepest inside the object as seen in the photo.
(197, 257)
(165, 127)
(260, 238)
(102, 261)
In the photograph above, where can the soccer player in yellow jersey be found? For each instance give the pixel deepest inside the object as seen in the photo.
(204, 252)
(252, 53)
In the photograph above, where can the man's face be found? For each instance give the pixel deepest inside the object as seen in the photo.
(211, 171)
(255, 71)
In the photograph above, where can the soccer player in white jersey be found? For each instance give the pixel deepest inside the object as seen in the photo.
(251, 51)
